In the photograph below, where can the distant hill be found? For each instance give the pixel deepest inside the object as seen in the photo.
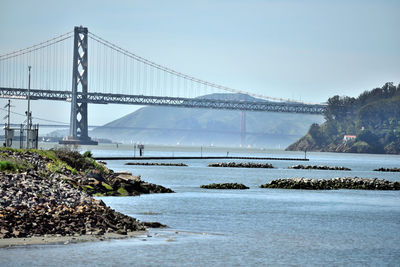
(185, 126)
(372, 120)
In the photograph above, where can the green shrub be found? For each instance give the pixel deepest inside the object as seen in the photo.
(58, 166)
(106, 186)
(8, 166)
(88, 154)
(122, 191)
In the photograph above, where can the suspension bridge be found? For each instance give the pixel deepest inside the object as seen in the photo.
(117, 76)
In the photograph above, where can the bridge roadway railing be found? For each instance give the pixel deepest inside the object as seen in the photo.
(101, 98)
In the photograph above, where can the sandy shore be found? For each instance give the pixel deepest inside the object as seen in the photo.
(43, 240)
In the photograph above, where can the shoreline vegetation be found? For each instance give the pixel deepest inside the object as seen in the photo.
(369, 123)
(47, 196)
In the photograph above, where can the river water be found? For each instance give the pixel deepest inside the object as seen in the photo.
(246, 227)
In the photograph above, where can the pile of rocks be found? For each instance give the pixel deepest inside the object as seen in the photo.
(115, 184)
(156, 164)
(241, 165)
(387, 170)
(320, 167)
(49, 196)
(88, 177)
(31, 205)
(225, 186)
(335, 183)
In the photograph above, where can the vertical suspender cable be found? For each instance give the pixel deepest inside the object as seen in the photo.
(117, 71)
(111, 71)
(151, 81)
(131, 75)
(106, 71)
(124, 86)
(138, 77)
(99, 62)
(47, 66)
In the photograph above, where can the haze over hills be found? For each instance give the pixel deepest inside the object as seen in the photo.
(185, 126)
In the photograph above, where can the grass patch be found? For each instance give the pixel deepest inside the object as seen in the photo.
(59, 166)
(13, 149)
(46, 154)
(87, 154)
(122, 191)
(7, 166)
(88, 187)
(106, 186)
(98, 166)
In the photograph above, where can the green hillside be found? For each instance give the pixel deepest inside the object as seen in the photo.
(171, 125)
(373, 117)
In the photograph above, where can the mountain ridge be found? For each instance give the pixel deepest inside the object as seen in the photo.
(175, 125)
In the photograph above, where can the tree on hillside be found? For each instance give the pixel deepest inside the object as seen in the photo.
(374, 117)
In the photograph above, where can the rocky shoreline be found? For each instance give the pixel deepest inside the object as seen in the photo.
(334, 183)
(49, 193)
(225, 186)
(315, 167)
(241, 165)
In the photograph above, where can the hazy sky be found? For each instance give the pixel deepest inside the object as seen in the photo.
(308, 50)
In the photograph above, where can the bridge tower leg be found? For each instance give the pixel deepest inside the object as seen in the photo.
(78, 132)
(243, 129)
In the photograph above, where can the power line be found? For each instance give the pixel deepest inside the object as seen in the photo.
(37, 118)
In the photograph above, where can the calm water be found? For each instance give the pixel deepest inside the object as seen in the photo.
(243, 228)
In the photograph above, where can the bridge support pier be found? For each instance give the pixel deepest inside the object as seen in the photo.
(78, 133)
(243, 129)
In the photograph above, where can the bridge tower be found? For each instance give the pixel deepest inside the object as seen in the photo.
(78, 132)
(243, 129)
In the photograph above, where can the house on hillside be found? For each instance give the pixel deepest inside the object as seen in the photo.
(349, 137)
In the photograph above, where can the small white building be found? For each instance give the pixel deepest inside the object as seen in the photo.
(349, 137)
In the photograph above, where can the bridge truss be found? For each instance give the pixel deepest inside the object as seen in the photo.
(102, 98)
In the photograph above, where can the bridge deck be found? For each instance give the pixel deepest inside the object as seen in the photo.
(101, 98)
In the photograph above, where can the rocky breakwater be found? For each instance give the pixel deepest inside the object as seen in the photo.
(47, 193)
(115, 184)
(319, 167)
(387, 170)
(31, 205)
(225, 186)
(335, 183)
(95, 179)
(241, 165)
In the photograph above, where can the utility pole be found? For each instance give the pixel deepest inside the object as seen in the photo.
(28, 113)
(9, 111)
(9, 133)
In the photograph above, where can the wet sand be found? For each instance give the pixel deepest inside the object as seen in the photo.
(50, 239)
